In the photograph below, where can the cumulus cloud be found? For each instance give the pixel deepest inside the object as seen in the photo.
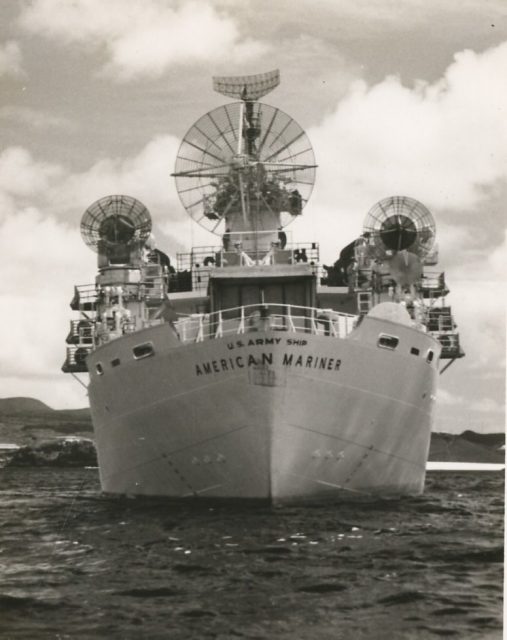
(143, 38)
(478, 298)
(27, 181)
(11, 59)
(446, 145)
(145, 176)
(42, 259)
(441, 143)
(43, 255)
(20, 175)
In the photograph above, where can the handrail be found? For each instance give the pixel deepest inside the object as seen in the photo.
(241, 328)
(259, 305)
(219, 332)
(86, 292)
(203, 259)
(200, 333)
(254, 317)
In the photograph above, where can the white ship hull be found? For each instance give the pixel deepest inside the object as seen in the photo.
(268, 415)
(251, 370)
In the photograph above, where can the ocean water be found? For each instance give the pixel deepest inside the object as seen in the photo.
(75, 564)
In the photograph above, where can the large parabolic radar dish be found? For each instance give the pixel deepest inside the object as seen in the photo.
(244, 157)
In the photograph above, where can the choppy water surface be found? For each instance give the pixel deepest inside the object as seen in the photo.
(77, 565)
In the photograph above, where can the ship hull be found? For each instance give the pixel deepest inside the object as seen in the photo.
(266, 415)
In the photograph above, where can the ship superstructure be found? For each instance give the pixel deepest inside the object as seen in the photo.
(250, 370)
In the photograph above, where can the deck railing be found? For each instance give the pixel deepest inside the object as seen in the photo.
(201, 261)
(85, 298)
(264, 317)
(433, 280)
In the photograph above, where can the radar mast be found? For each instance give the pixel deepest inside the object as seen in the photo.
(245, 166)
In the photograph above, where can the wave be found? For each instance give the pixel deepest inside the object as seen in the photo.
(63, 452)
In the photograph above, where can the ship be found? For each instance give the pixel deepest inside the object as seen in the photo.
(248, 369)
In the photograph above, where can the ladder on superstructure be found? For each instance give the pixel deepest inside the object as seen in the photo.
(364, 302)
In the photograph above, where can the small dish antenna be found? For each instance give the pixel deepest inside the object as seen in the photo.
(400, 223)
(115, 221)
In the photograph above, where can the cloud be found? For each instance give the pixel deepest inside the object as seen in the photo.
(11, 59)
(34, 118)
(20, 175)
(446, 398)
(487, 405)
(145, 176)
(29, 183)
(142, 38)
(42, 259)
(497, 260)
(442, 143)
(478, 297)
(43, 255)
(370, 17)
(446, 145)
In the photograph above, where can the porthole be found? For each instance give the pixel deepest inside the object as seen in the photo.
(143, 350)
(388, 342)
(415, 351)
(430, 356)
(115, 362)
(99, 369)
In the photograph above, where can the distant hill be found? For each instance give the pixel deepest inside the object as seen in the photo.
(31, 406)
(23, 405)
(25, 420)
(467, 447)
(490, 439)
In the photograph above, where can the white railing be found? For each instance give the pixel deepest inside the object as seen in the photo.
(85, 297)
(264, 317)
(433, 280)
(200, 262)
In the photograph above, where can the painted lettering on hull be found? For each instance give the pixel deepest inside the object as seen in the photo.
(231, 364)
(288, 360)
(311, 362)
(263, 342)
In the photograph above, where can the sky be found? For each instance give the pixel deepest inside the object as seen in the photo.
(397, 98)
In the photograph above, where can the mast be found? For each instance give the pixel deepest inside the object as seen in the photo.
(245, 170)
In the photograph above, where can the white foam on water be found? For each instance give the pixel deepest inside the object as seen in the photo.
(464, 466)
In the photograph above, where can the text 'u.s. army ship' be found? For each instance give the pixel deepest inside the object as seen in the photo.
(250, 370)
